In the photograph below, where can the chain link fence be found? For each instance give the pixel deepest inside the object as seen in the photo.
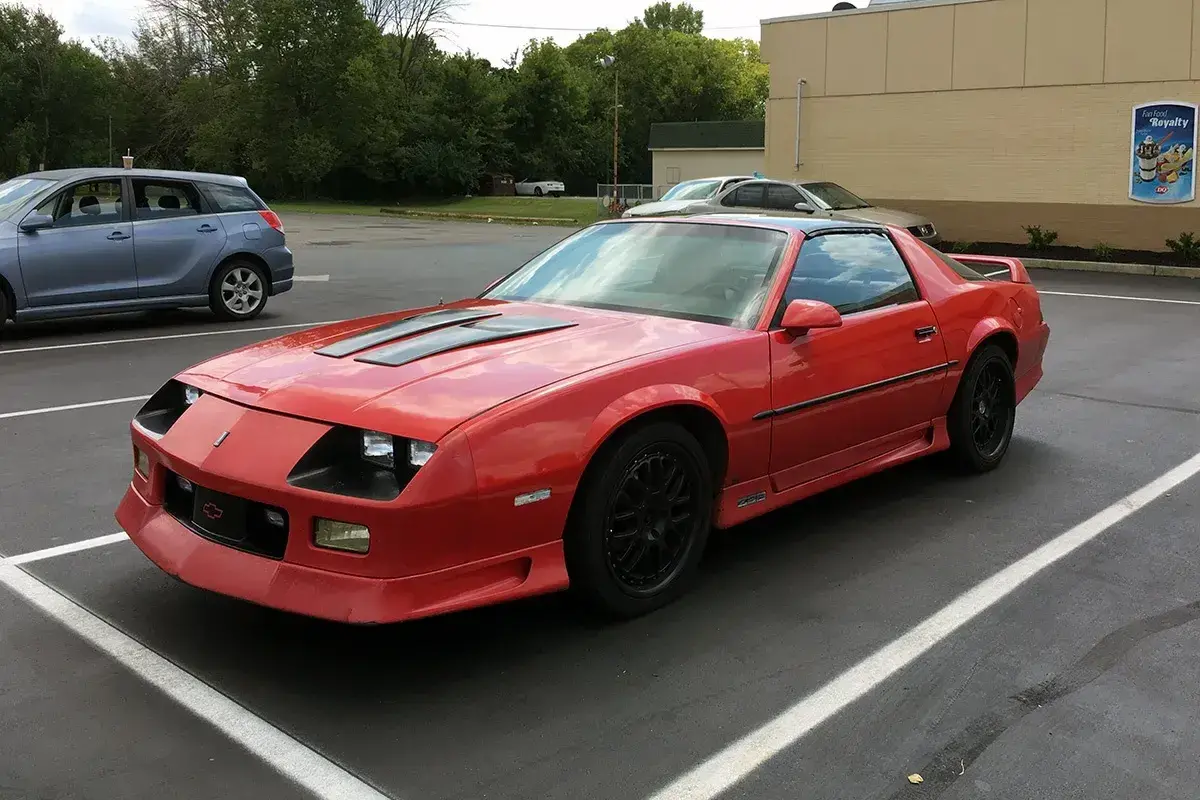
(627, 195)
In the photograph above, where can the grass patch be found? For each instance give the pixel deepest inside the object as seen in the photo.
(554, 210)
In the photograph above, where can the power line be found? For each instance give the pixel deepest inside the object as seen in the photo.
(570, 30)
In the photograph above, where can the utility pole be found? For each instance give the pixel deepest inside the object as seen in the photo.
(110, 155)
(611, 61)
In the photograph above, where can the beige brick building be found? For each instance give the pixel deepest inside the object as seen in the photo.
(986, 115)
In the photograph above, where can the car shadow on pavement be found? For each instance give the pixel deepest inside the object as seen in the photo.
(147, 322)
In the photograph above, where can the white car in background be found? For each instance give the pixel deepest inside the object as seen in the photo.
(541, 188)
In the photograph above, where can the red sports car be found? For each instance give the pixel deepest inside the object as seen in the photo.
(583, 423)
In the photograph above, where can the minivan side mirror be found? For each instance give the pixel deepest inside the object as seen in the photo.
(36, 222)
(801, 316)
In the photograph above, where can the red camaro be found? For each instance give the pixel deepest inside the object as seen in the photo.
(584, 423)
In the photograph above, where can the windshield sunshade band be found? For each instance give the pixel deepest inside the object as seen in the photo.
(405, 327)
(492, 330)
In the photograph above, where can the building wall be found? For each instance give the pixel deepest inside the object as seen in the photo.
(675, 166)
(986, 115)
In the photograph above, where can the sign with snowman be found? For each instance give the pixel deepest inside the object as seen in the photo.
(1163, 154)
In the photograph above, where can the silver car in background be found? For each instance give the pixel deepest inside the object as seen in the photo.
(805, 198)
(682, 195)
(89, 241)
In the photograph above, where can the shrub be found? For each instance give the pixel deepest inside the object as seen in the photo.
(1103, 251)
(1186, 247)
(962, 247)
(1038, 238)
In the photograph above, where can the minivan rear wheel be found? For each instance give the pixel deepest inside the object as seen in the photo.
(238, 291)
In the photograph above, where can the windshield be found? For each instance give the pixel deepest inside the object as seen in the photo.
(703, 272)
(692, 190)
(835, 197)
(16, 191)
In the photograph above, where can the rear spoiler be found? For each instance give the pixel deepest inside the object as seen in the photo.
(996, 267)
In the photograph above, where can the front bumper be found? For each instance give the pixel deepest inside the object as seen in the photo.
(324, 594)
(432, 549)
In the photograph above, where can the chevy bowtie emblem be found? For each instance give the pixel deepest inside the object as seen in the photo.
(212, 511)
(221, 438)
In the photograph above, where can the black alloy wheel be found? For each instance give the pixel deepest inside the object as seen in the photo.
(983, 414)
(640, 521)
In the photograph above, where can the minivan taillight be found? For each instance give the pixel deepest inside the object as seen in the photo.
(272, 219)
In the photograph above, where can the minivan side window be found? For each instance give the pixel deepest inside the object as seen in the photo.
(852, 272)
(91, 203)
(155, 199)
(228, 198)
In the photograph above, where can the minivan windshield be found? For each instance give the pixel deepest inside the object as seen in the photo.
(697, 271)
(15, 192)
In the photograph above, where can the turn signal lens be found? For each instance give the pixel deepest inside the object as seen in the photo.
(346, 536)
(141, 463)
(420, 452)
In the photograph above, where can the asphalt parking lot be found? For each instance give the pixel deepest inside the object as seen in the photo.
(1080, 683)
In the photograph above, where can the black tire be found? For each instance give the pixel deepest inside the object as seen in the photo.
(984, 412)
(609, 509)
(4, 309)
(537, 191)
(233, 288)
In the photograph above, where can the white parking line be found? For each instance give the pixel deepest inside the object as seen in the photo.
(726, 768)
(308, 768)
(1122, 297)
(136, 339)
(73, 407)
(310, 278)
(64, 549)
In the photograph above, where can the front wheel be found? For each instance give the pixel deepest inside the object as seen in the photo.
(238, 291)
(984, 412)
(641, 523)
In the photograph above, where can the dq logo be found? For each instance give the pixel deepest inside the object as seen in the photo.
(212, 511)
(1161, 189)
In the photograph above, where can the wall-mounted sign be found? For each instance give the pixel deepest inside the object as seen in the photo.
(1163, 154)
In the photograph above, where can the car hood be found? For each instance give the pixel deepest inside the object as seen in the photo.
(884, 216)
(661, 207)
(428, 380)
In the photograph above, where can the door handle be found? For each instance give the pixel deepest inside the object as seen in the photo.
(206, 228)
(926, 333)
(117, 236)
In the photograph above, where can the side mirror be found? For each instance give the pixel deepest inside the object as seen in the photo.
(805, 207)
(801, 316)
(36, 222)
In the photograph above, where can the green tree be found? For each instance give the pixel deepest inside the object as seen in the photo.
(667, 17)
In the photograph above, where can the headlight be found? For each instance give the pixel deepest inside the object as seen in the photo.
(379, 448)
(190, 394)
(166, 406)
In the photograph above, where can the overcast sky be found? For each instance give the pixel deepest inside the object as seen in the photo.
(85, 19)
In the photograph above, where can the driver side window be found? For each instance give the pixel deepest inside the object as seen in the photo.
(852, 272)
(91, 203)
(746, 196)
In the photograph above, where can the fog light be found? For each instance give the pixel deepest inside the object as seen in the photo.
(141, 463)
(275, 518)
(183, 483)
(342, 536)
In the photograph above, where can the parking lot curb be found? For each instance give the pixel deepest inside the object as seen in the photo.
(1106, 266)
(451, 215)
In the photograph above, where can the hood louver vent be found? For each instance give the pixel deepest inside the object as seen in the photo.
(453, 338)
(405, 327)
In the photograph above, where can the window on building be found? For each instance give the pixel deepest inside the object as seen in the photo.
(852, 272)
(672, 175)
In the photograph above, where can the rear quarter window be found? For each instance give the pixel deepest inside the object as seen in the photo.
(227, 198)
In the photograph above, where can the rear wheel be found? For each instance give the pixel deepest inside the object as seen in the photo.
(641, 522)
(984, 412)
(238, 291)
(537, 190)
